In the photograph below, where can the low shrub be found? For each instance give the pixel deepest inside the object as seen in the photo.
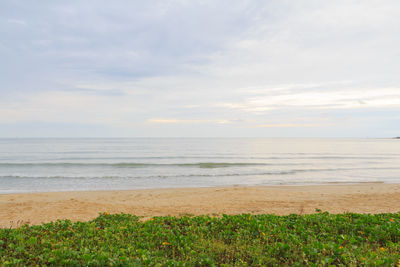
(256, 240)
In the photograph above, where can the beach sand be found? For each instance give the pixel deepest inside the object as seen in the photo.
(35, 208)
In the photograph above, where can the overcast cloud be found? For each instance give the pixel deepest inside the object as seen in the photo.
(200, 68)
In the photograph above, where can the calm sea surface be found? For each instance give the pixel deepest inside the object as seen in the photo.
(32, 165)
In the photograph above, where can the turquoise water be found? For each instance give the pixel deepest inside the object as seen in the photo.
(40, 165)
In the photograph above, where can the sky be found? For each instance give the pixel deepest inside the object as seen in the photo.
(256, 68)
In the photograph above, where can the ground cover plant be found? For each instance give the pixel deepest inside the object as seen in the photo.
(256, 240)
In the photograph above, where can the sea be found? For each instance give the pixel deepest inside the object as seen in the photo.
(54, 164)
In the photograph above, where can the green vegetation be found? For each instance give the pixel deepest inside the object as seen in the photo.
(257, 240)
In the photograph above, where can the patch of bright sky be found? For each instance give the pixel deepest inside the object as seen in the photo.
(200, 68)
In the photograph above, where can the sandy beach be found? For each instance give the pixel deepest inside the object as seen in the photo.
(36, 208)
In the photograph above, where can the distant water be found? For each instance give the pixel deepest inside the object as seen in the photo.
(40, 165)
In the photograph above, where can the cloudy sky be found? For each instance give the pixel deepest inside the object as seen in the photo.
(268, 68)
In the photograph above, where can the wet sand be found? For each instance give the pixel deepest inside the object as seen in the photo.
(36, 208)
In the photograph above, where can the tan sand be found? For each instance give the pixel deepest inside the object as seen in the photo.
(36, 208)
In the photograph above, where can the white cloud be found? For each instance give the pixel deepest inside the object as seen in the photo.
(288, 125)
(17, 21)
(188, 121)
(275, 64)
(348, 98)
(71, 107)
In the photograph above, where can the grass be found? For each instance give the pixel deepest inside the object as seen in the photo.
(256, 240)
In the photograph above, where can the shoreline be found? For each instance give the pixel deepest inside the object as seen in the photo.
(37, 208)
(198, 187)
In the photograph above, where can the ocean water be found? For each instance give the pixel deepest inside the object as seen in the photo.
(42, 165)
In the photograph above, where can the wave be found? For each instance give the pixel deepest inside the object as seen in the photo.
(202, 161)
(143, 177)
(263, 173)
(207, 165)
